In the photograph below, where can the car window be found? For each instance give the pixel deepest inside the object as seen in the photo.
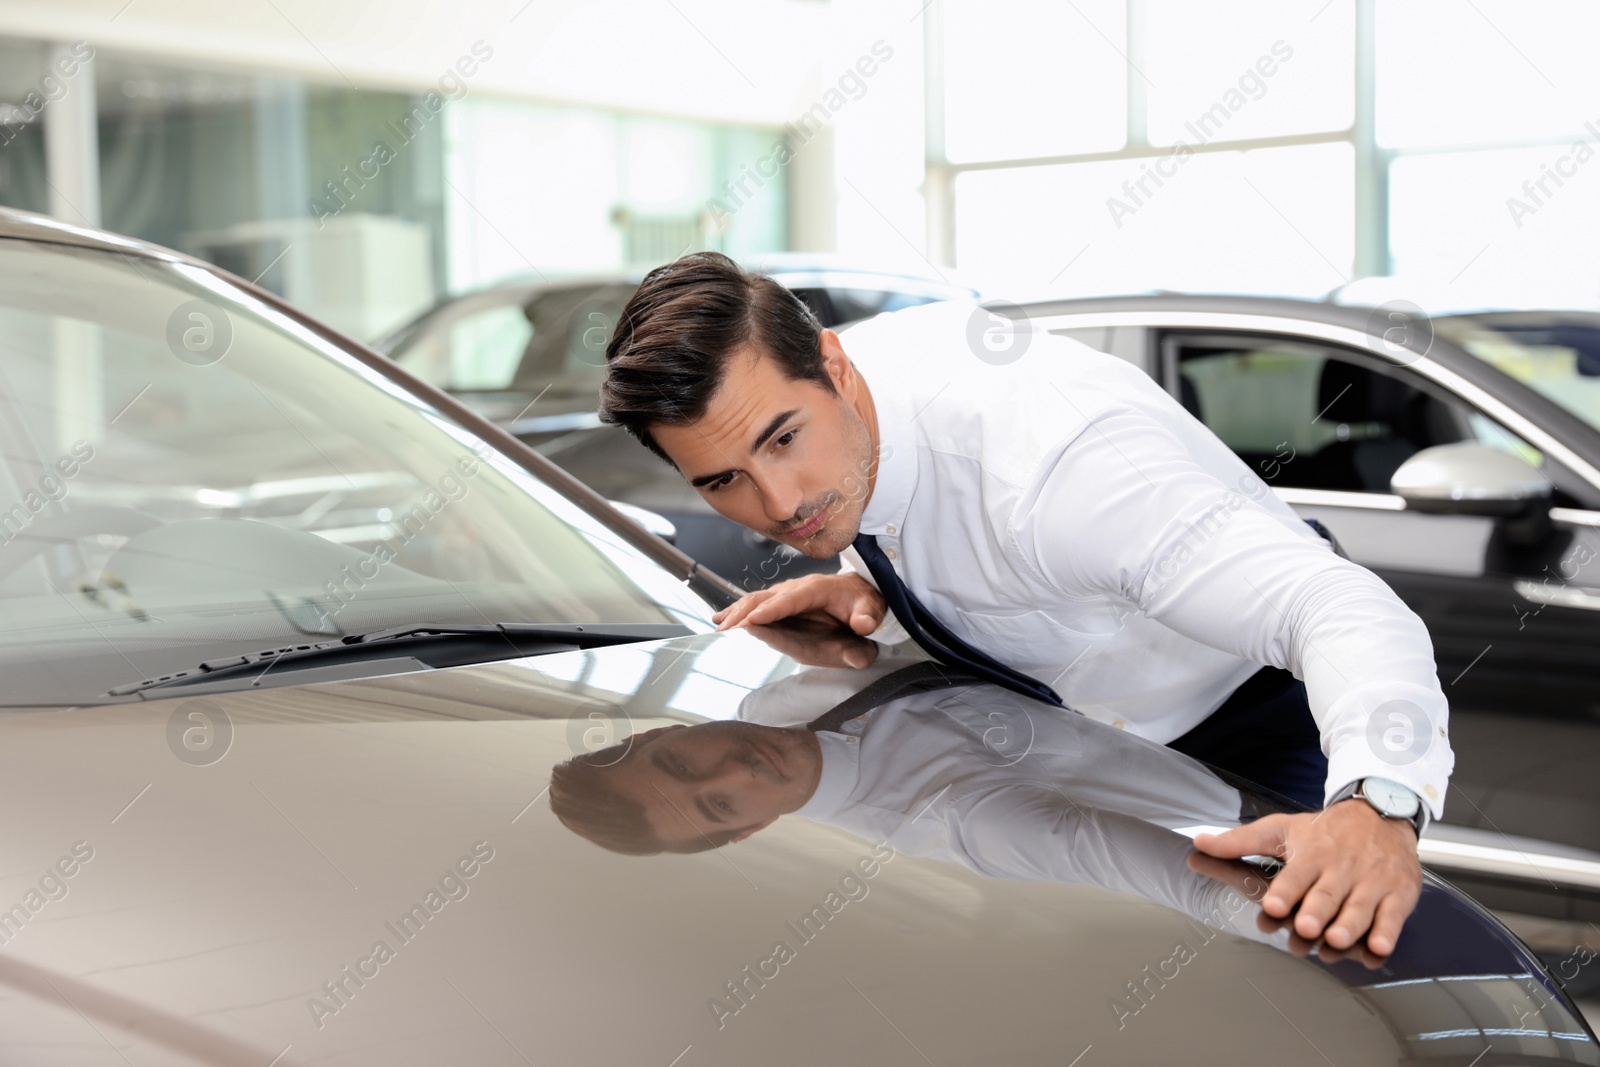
(478, 350)
(485, 348)
(571, 327)
(1559, 359)
(186, 474)
(1307, 418)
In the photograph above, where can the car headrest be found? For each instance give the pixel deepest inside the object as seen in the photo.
(1351, 393)
(1189, 396)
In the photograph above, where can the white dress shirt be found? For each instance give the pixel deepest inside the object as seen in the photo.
(1068, 516)
(1010, 788)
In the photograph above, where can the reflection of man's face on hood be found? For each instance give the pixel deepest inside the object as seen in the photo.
(716, 776)
(699, 786)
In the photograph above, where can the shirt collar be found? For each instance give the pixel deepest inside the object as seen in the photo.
(897, 461)
(841, 771)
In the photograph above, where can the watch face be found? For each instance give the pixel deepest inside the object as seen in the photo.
(1391, 798)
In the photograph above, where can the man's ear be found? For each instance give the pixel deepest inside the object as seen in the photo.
(838, 364)
(742, 834)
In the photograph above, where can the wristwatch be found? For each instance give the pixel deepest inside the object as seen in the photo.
(1391, 799)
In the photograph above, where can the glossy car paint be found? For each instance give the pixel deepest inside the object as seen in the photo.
(234, 902)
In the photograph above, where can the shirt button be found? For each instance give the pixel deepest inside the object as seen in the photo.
(1119, 724)
(849, 740)
(889, 529)
(1433, 794)
(891, 553)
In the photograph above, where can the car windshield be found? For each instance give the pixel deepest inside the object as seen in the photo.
(188, 473)
(1559, 356)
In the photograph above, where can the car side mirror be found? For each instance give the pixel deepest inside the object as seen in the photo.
(659, 525)
(1470, 479)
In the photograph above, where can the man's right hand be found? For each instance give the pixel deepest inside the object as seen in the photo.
(837, 598)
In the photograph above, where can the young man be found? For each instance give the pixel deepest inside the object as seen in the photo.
(1062, 526)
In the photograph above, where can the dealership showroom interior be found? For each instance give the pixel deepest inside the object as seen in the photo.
(480, 482)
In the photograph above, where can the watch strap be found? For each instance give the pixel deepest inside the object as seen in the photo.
(1419, 821)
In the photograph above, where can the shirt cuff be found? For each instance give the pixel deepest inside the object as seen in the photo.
(1398, 734)
(889, 631)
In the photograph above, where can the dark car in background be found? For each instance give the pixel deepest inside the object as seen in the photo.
(530, 355)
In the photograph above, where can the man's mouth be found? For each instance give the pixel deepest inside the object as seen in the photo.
(771, 757)
(811, 525)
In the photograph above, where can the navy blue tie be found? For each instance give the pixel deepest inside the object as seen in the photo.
(932, 634)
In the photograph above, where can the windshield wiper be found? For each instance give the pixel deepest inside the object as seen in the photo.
(442, 645)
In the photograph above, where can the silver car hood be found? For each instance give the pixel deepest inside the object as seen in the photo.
(237, 860)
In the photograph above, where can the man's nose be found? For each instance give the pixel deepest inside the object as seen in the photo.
(781, 498)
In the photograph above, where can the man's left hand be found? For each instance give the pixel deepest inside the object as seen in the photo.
(1348, 868)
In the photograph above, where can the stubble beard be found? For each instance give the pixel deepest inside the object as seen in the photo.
(844, 506)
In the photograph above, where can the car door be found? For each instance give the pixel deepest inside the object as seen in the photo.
(1327, 427)
(1514, 634)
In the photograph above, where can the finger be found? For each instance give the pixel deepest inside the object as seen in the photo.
(864, 618)
(1289, 886)
(741, 608)
(726, 616)
(863, 609)
(1264, 837)
(1321, 903)
(775, 607)
(1355, 917)
(1389, 921)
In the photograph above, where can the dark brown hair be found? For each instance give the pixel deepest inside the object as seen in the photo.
(669, 351)
(582, 797)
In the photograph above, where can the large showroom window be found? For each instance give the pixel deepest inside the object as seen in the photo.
(1057, 67)
(1271, 219)
(1164, 147)
(1494, 181)
(23, 99)
(323, 194)
(1119, 181)
(363, 206)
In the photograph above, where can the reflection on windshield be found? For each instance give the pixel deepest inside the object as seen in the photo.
(187, 475)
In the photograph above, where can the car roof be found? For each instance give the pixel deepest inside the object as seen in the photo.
(30, 226)
(1359, 327)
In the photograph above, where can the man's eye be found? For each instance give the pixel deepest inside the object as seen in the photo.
(720, 482)
(784, 438)
(723, 806)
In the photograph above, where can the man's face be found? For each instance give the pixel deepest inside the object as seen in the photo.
(785, 458)
(718, 776)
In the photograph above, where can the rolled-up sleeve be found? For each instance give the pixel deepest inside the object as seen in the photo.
(1121, 510)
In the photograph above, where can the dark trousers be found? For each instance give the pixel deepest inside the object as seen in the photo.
(1264, 732)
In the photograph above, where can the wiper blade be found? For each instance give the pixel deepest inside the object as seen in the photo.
(524, 639)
